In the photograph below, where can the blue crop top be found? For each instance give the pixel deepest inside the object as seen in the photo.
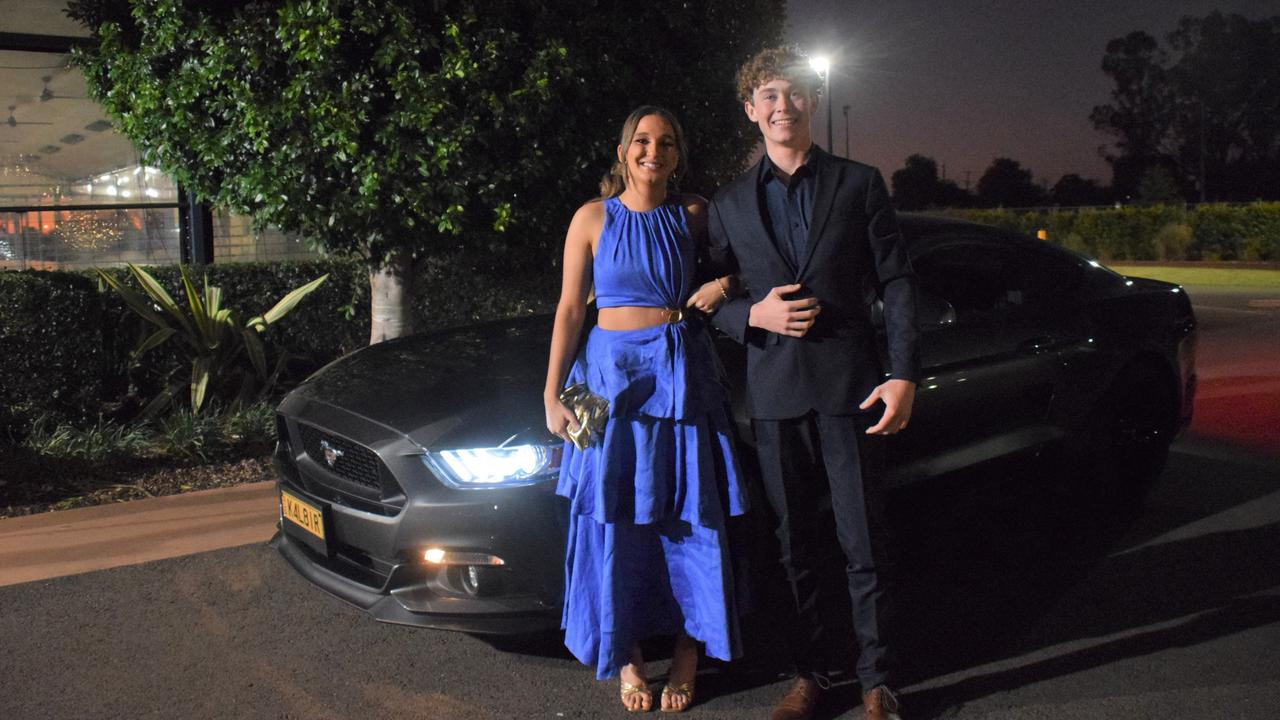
(644, 258)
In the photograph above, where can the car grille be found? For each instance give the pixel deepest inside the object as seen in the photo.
(356, 463)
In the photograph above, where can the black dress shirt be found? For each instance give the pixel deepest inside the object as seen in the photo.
(788, 207)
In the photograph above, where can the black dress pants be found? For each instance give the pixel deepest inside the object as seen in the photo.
(801, 459)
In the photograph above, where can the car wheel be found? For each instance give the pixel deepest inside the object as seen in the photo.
(1134, 431)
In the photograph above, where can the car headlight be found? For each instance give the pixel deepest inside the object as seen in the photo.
(513, 466)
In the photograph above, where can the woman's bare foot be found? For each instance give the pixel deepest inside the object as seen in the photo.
(677, 696)
(636, 695)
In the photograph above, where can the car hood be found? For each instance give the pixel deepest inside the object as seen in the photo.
(478, 386)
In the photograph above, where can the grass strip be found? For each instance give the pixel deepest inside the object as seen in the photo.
(1217, 277)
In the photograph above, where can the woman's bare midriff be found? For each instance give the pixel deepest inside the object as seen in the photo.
(634, 318)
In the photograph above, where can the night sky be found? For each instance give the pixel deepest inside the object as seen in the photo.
(965, 81)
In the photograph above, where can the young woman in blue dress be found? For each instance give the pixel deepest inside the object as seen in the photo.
(649, 496)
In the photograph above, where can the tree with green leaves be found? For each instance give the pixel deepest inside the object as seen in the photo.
(1203, 107)
(1005, 183)
(1157, 187)
(399, 132)
(917, 187)
(1073, 190)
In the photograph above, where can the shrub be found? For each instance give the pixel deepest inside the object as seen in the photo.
(52, 349)
(1174, 240)
(1154, 232)
(181, 435)
(185, 433)
(101, 441)
(316, 332)
(65, 339)
(1262, 248)
(1220, 231)
(224, 356)
(1261, 232)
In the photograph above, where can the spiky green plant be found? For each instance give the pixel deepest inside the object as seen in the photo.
(207, 336)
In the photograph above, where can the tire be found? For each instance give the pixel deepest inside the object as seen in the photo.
(1134, 431)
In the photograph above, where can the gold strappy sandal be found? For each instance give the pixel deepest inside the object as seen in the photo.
(685, 689)
(628, 691)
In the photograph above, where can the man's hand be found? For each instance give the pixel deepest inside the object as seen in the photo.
(897, 395)
(784, 317)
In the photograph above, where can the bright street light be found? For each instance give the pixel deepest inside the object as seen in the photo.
(822, 65)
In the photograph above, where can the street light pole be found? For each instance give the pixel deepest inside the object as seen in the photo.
(826, 84)
(846, 131)
(822, 65)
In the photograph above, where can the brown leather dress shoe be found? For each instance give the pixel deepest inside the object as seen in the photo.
(879, 703)
(799, 702)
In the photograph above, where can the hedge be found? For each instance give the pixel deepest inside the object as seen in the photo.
(65, 339)
(53, 349)
(1156, 232)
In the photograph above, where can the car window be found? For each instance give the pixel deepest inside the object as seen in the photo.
(985, 277)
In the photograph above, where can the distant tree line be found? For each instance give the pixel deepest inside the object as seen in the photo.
(1005, 183)
(1196, 118)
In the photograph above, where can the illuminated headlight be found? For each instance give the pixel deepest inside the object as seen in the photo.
(512, 466)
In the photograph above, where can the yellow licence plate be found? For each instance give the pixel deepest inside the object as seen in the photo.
(303, 514)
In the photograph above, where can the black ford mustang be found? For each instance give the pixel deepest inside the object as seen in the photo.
(416, 476)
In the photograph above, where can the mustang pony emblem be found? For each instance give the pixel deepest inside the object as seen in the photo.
(331, 453)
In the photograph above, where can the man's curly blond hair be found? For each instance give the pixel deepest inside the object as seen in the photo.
(777, 62)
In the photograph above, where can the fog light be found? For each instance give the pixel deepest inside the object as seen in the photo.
(471, 580)
(440, 556)
(477, 581)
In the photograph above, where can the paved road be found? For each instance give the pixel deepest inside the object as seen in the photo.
(1018, 606)
(1239, 361)
(1017, 609)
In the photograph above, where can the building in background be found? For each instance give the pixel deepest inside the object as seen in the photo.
(74, 192)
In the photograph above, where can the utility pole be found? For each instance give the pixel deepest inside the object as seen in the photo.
(1203, 191)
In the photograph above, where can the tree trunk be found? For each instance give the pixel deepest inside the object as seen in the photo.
(391, 300)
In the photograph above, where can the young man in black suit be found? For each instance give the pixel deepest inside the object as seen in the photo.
(814, 241)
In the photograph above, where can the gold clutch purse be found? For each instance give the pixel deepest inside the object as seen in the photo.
(591, 410)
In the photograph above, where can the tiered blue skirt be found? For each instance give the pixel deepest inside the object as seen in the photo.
(647, 550)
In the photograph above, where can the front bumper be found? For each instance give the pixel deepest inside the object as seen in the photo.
(373, 554)
(416, 603)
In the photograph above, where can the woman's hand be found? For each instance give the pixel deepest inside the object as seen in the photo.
(560, 419)
(707, 298)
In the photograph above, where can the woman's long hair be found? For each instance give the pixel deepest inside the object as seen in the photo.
(616, 180)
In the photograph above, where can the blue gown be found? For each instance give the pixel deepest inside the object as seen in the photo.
(647, 550)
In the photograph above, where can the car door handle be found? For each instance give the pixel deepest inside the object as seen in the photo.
(1036, 344)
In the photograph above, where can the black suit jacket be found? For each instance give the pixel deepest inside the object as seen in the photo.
(855, 253)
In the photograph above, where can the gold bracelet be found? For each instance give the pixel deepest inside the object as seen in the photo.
(720, 284)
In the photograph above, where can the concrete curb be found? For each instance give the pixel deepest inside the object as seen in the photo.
(67, 542)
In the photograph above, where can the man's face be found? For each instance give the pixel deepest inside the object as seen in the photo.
(781, 109)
